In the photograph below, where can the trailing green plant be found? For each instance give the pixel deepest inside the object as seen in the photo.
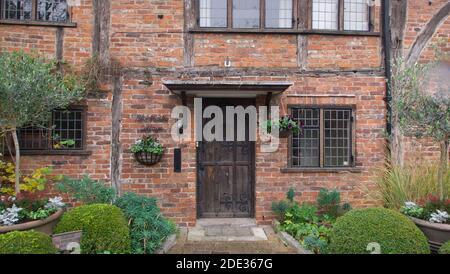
(26, 242)
(445, 248)
(31, 87)
(392, 231)
(149, 145)
(104, 228)
(148, 228)
(87, 190)
(285, 123)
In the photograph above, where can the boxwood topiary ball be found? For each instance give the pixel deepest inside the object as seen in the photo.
(26, 242)
(104, 228)
(395, 233)
(445, 248)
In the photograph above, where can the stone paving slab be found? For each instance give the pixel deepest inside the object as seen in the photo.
(230, 244)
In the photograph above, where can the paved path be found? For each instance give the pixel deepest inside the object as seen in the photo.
(229, 236)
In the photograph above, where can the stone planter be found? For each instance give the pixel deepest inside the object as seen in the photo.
(437, 234)
(45, 226)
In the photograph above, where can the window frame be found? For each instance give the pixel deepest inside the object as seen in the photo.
(301, 21)
(322, 166)
(52, 151)
(262, 17)
(341, 18)
(34, 21)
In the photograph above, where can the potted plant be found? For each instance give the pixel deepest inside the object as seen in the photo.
(432, 217)
(285, 126)
(27, 211)
(147, 151)
(422, 109)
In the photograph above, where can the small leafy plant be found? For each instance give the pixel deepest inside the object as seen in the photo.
(149, 145)
(60, 143)
(87, 190)
(28, 184)
(432, 209)
(329, 202)
(14, 211)
(309, 224)
(285, 123)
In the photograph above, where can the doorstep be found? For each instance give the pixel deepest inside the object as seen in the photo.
(227, 230)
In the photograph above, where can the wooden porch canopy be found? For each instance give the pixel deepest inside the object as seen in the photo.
(226, 89)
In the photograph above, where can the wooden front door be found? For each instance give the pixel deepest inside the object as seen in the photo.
(226, 171)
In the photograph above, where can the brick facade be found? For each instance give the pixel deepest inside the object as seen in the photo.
(149, 40)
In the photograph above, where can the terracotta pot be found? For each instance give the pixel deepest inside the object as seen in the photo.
(45, 226)
(437, 234)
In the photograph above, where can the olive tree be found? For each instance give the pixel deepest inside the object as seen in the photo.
(422, 106)
(31, 87)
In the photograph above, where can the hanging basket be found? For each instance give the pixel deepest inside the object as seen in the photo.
(285, 133)
(147, 158)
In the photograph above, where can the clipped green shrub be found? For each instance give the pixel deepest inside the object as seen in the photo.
(104, 228)
(395, 233)
(148, 228)
(26, 242)
(445, 248)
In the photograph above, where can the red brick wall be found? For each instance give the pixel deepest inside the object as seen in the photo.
(149, 35)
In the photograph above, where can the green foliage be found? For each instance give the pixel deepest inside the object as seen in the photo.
(304, 213)
(409, 183)
(445, 248)
(280, 207)
(307, 223)
(148, 144)
(395, 233)
(86, 190)
(329, 202)
(306, 226)
(31, 87)
(26, 242)
(413, 210)
(285, 123)
(421, 111)
(290, 194)
(104, 228)
(433, 209)
(316, 244)
(148, 227)
(421, 106)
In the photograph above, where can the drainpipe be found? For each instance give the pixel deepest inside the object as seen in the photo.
(387, 61)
